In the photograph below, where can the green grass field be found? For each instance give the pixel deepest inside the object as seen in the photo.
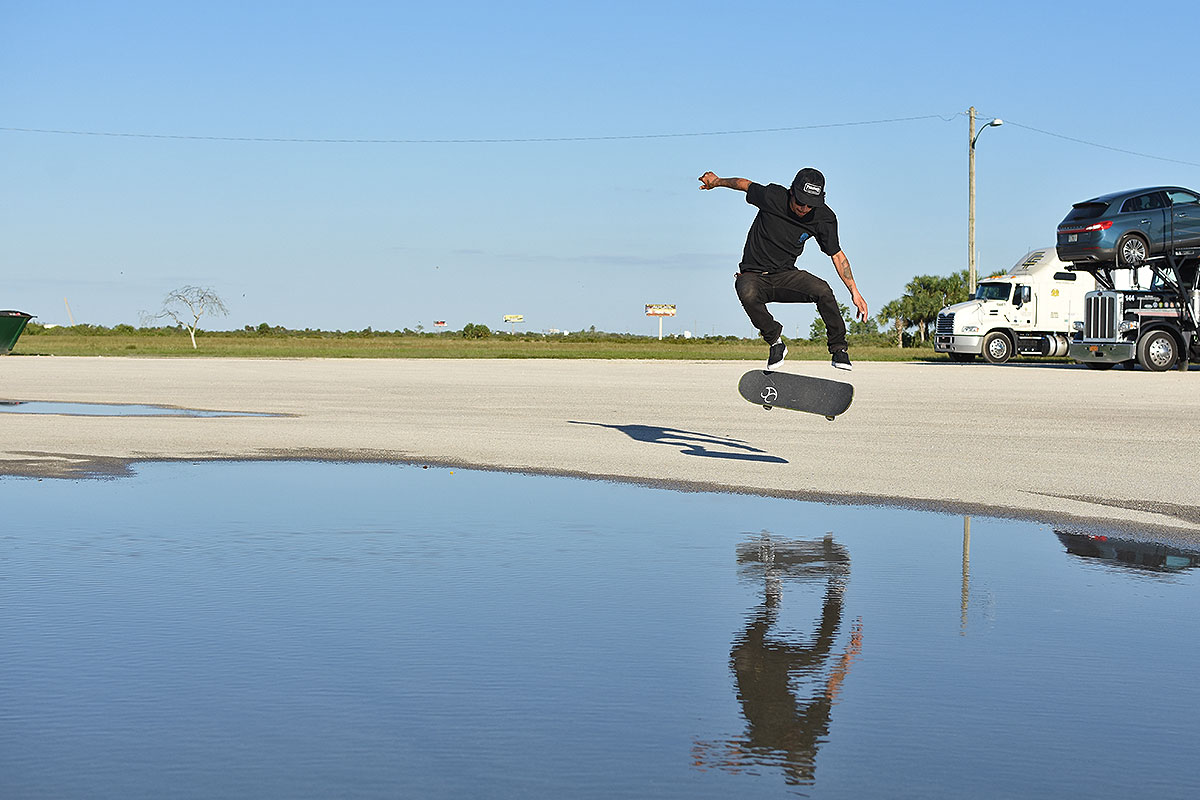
(238, 344)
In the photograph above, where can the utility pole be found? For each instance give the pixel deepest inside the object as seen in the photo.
(971, 205)
(971, 192)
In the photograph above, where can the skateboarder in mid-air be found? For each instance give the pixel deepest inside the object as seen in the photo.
(786, 219)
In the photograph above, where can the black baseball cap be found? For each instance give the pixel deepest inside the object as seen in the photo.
(808, 187)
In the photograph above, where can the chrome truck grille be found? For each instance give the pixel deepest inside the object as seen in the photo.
(945, 323)
(1100, 316)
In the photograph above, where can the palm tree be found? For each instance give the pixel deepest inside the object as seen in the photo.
(898, 312)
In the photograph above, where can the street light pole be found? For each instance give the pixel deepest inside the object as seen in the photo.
(971, 205)
(972, 138)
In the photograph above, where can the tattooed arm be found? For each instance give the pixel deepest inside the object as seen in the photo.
(710, 181)
(842, 265)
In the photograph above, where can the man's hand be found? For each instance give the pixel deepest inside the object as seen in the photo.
(860, 304)
(842, 265)
(709, 180)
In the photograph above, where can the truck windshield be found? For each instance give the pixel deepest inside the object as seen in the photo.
(992, 291)
(1159, 283)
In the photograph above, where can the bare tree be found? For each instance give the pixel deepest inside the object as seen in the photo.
(188, 304)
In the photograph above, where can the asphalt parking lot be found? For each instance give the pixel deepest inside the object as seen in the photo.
(1051, 442)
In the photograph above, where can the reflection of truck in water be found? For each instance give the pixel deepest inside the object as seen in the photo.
(1143, 555)
(1028, 311)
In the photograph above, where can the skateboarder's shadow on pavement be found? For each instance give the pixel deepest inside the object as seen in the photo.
(693, 444)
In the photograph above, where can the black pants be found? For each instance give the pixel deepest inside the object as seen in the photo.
(756, 289)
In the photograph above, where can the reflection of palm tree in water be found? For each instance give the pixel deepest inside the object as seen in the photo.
(782, 729)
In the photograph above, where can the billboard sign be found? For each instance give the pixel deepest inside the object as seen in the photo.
(514, 317)
(660, 310)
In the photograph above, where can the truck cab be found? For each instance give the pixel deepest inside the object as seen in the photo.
(1030, 310)
(1152, 327)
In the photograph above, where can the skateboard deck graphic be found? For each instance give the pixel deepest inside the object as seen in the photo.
(796, 392)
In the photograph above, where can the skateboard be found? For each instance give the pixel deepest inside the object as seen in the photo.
(796, 392)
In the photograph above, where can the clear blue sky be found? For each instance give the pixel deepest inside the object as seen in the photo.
(569, 233)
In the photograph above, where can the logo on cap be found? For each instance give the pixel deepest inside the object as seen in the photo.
(812, 188)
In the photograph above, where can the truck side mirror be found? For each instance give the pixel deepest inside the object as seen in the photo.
(1021, 296)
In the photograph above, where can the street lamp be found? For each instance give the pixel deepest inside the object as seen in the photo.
(971, 210)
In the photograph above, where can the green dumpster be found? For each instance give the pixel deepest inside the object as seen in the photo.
(12, 325)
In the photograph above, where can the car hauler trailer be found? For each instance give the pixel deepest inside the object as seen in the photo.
(1154, 327)
(1028, 311)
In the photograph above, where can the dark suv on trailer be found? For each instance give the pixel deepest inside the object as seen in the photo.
(1127, 228)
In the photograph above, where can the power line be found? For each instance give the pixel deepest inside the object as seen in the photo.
(475, 141)
(1008, 121)
(616, 137)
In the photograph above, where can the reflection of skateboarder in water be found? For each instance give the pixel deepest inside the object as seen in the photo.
(781, 728)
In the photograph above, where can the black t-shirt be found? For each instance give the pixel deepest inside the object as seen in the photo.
(777, 235)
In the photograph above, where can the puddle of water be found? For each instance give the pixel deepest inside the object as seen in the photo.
(315, 630)
(114, 410)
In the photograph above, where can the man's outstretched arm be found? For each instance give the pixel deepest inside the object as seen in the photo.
(709, 180)
(842, 265)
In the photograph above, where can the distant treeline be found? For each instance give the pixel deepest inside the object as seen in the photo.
(469, 331)
(859, 334)
(903, 322)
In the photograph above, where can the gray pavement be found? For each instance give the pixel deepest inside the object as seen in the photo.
(1057, 443)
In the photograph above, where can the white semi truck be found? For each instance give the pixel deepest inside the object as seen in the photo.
(1030, 311)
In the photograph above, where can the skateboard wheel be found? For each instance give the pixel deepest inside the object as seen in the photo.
(767, 407)
(829, 418)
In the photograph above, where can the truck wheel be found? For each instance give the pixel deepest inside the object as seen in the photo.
(997, 347)
(1157, 351)
(1132, 250)
(961, 358)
